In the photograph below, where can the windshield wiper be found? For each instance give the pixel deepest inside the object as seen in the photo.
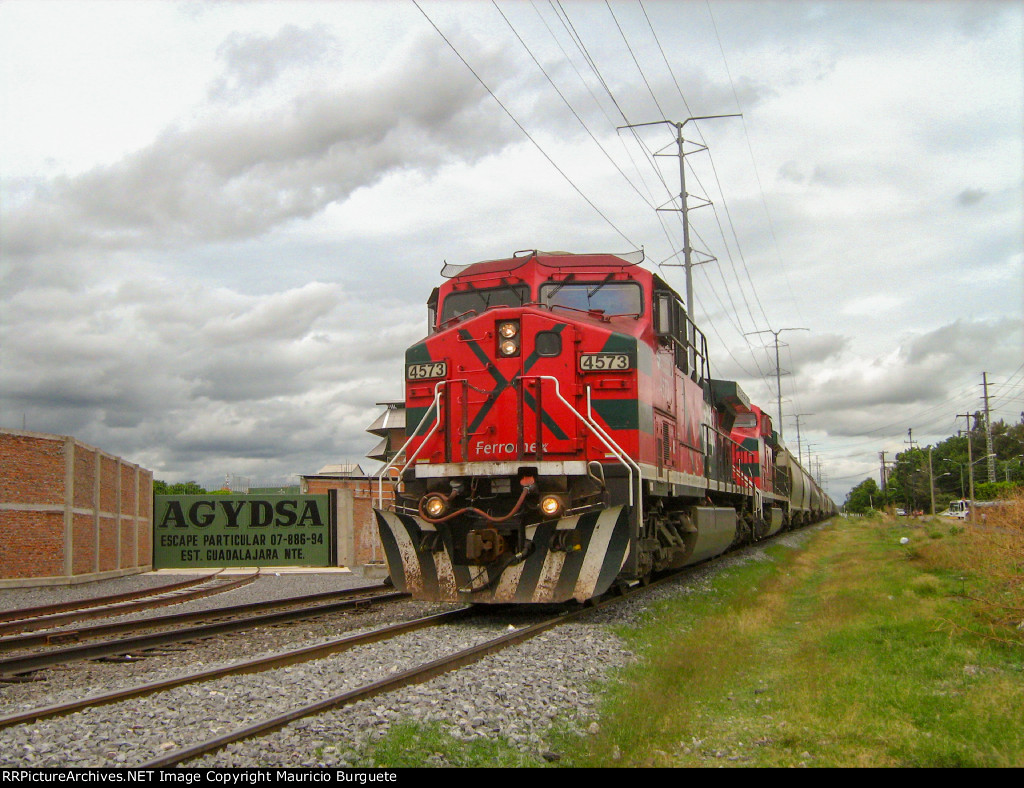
(591, 293)
(548, 296)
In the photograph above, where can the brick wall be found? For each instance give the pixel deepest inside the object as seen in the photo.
(357, 527)
(70, 512)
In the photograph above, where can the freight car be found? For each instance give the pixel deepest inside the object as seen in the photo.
(565, 436)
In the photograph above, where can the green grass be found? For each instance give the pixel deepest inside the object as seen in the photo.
(841, 658)
(852, 651)
(410, 745)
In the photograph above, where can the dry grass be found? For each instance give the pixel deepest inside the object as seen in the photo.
(990, 560)
(885, 642)
(834, 656)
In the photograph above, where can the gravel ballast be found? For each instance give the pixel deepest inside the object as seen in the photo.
(516, 696)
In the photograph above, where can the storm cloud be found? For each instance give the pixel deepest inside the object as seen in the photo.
(220, 222)
(236, 173)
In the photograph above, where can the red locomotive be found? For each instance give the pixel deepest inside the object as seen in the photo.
(565, 435)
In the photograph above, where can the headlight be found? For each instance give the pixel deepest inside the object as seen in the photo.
(551, 505)
(508, 338)
(434, 505)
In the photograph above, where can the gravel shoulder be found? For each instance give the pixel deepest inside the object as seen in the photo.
(517, 696)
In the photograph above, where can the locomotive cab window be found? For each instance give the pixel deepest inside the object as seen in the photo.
(675, 329)
(432, 311)
(663, 314)
(469, 302)
(612, 298)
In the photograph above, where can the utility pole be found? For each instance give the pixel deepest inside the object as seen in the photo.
(807, 467)
(931, 479)
(799, 453)
(778, 371)
(881, 475)
(988, 431)
(687, 251)
(970, 457)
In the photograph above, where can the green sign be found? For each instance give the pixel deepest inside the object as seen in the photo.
(241, 530)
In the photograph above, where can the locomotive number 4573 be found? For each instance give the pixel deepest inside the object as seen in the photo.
(433, 369)
(600, 362)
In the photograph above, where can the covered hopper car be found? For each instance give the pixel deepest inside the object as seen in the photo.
(565, 436)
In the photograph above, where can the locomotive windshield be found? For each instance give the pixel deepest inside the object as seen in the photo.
(612, 298)
(477, 301)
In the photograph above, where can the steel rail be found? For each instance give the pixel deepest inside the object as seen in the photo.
(12, 666)
(83, 633)
(56, 619)
(305, 654)
(63, 607)
(417, 675)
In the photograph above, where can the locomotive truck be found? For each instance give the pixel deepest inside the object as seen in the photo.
(565, 436)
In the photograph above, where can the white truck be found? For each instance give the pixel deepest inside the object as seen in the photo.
(958, 509)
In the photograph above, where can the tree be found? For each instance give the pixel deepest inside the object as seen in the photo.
(180, 488)
(863, 497)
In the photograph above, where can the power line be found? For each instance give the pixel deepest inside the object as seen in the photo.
(569, 105)
(523, 129)
(643, 76)
(778, 371)
(753, 161)
(721, 191)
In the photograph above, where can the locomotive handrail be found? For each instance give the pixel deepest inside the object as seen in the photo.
(456, 318)
(401, 451)
(610, 444)
(724, 441)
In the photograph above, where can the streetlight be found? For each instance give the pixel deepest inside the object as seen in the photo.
(961, 465)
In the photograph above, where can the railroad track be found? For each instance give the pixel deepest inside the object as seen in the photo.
(63, 636)
(218, 622)
(271, 662)
(416, 675)
(392, 682)
(180, 724)
(50, 616)
(79, 604)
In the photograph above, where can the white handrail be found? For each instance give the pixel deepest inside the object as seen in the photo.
(606, 439)
(400, 452)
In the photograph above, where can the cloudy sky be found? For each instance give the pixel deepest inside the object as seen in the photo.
(220, 221)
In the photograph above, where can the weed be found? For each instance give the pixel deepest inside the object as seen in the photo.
(412, 745)
(857, 651)
(926, 585)
(838, 659)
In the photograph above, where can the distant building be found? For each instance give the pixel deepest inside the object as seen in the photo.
(357, 493)
(344, 470)
(285, 489)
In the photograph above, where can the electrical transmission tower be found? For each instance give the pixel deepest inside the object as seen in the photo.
(778, 370)
(683, 209)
